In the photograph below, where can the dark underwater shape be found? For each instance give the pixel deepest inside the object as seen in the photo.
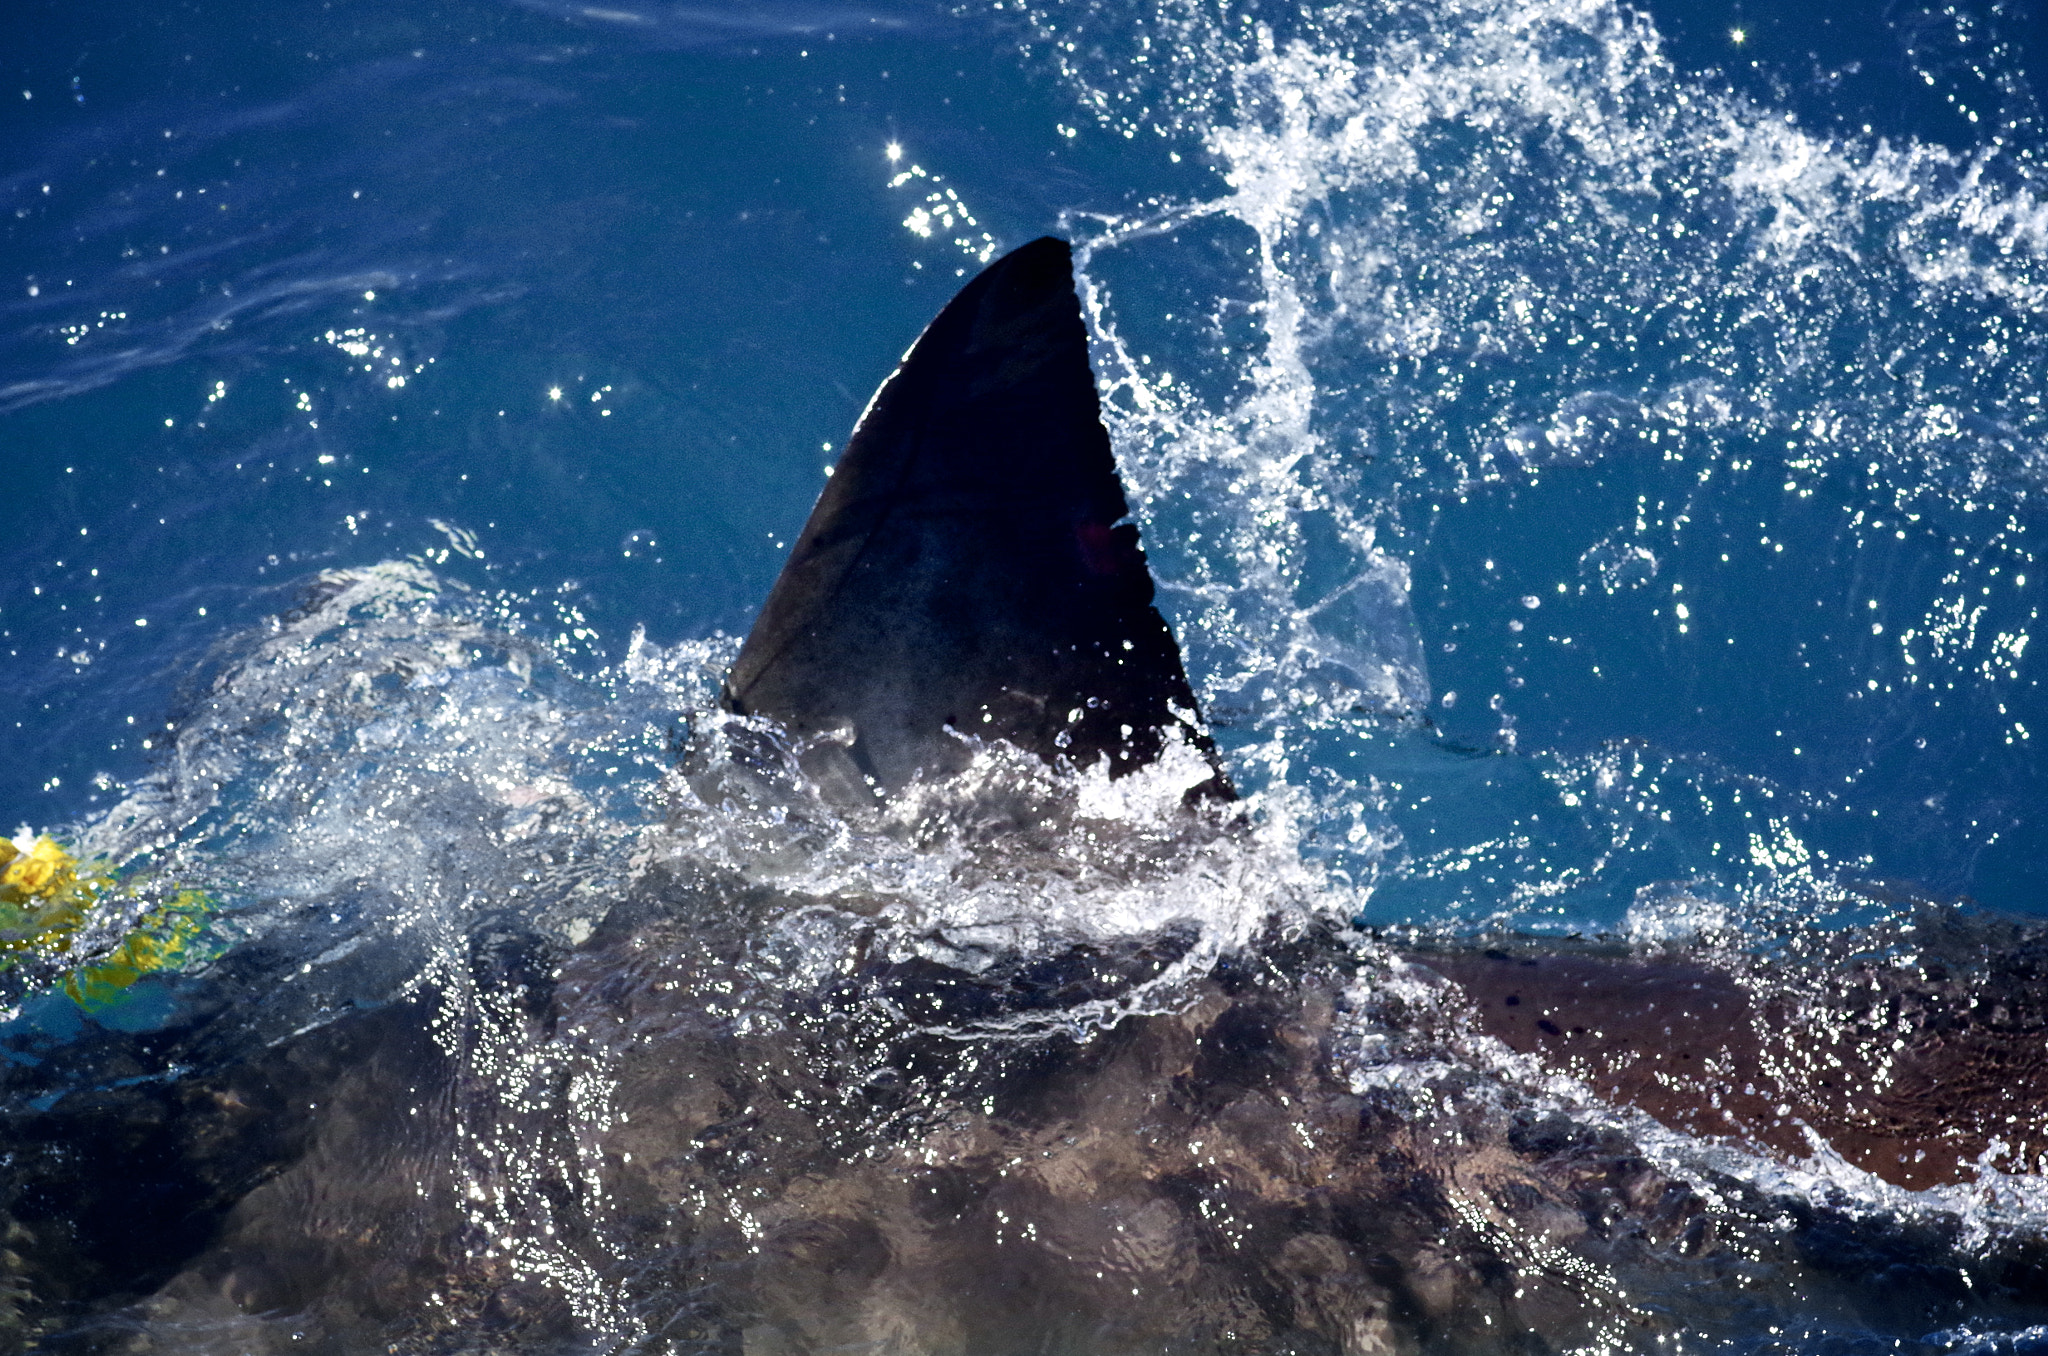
(1908, 1072)
(968, 567)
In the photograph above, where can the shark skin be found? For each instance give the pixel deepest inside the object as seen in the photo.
(1910, 1073)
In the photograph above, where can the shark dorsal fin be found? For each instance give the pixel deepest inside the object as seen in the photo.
(968, 565)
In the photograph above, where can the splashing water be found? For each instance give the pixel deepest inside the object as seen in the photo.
(1507, 334)
(673, 1044)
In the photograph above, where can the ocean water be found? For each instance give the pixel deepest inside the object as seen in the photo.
(1589, 455)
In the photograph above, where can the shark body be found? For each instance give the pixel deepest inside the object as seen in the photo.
(671, 1135)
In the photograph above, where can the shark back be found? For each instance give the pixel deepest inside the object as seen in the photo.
(968, 570)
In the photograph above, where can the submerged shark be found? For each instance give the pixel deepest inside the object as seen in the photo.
(751, 1110)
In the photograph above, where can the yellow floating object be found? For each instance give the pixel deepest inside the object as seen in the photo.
(168, 937)
(43, 870)
(47, 897)
(43, 899)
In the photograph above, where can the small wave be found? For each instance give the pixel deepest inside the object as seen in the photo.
(699, 27)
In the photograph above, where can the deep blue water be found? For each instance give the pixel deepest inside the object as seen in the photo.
(1588, 453)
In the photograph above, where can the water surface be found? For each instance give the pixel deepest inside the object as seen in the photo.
(1590, 456)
